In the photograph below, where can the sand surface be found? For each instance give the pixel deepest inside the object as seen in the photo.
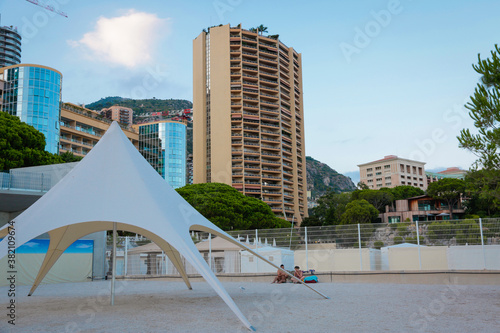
(162, 306)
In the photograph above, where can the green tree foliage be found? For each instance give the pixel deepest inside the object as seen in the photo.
(229, 209)
(483, 192)
(141, 105)
(362, 186)
(332, 205)
(378, 198)
(262, 29)
(468, 233)
(329, 210)
(68, 157)
(441, 230)
(359, 211)
(405, 192)
(485, 111)
(398, 240)
(21, 145)
(448, 190)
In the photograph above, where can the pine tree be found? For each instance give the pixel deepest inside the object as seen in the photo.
(485, 111)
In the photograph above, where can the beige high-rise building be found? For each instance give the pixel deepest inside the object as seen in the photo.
(248, 117)
(392, 171)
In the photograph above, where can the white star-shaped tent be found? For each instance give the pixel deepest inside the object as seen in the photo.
(114, 186)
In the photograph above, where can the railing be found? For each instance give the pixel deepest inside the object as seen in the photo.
(25, 181)
(466, 244)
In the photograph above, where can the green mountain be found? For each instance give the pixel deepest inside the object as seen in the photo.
(142, 105)
(321, 179)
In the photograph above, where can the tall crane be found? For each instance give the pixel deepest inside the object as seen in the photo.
(48, 7)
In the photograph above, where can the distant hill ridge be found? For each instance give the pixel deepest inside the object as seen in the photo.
(321, 179)
(141, 105)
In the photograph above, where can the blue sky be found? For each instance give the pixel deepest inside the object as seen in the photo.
(380, 77)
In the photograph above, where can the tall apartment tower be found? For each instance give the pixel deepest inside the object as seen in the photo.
(119, 113)
(248, 128)
(10, 46)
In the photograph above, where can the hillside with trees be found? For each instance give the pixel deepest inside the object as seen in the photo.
(322, 179)
(141, 105)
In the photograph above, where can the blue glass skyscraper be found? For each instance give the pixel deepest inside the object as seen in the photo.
(163, 145)
(10, 46)
(33, 93)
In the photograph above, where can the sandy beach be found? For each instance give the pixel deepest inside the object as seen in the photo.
(163, 306)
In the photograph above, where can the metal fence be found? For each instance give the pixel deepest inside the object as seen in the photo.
(439, 245)
(25, 181)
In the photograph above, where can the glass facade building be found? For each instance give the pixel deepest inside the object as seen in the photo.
(33, 93)
(10, 46)
(163, 145)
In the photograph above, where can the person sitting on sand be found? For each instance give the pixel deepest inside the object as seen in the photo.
(281, 278)
(298, 276)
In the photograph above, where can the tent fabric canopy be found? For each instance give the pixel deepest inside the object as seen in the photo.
(115, 184)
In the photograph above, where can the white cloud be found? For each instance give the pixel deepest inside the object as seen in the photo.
(128, 40)
(32, 244)
(83, 246)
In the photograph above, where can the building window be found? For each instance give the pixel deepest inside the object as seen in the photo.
(378, 168)
(387, 166)
(394, 219)
(370, 180)
(378, 173)
(369, 169)
(388, 184)
(414, 170)
(402, 167)
(386, 178)
(369, 175)
(403, 183)
(420, 171)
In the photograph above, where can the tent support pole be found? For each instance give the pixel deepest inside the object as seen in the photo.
(114, 266)
(210, 251)
(418, 243)
(126, 256)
